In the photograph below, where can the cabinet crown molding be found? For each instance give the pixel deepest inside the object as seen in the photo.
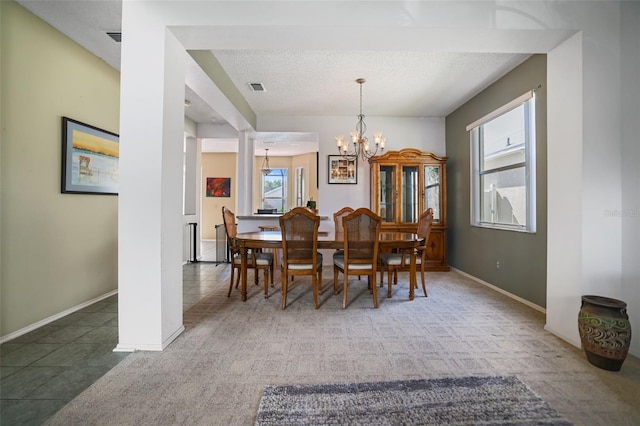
(407, 153)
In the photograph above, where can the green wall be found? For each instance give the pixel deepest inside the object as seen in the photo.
(474, 250)
(57, 251)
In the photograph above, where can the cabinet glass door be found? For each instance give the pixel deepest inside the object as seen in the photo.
(432, 190)
(387, 193)
(410, 203)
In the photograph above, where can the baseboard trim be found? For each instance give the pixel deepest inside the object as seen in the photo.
(150, 347)
(499, 290)
(55, 317)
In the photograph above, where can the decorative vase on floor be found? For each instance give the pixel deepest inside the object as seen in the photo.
(605, 331)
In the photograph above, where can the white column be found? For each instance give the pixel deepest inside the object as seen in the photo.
(564, 193)
(190, 176)
(245, 174)
(191, 234)
(583, 166)
(150, 200)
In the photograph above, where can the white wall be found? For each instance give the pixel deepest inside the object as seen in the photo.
(630, 212)
(592, 138)
(564, 196)
(426, 134)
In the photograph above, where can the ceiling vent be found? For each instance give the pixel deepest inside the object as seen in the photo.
(116, 36)
(257, 87)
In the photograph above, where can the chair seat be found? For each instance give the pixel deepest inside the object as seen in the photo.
(395, 259)
(339, 262)
(305, 266)
(261, 259)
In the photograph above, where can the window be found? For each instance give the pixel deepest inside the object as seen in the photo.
(503, 167)
(274, 190)
(300, 187)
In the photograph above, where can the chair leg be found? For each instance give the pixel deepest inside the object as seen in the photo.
(424, 287)
(335, 280)
(389, 275)
(284, 289)
(314, 281)
(231, 281)
(344, 290)
(271, 267)
(238, 278)
(319, 273)
(374, 289)
(266, 282)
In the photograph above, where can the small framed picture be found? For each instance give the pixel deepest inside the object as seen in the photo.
(218, 187)
(90, 159)
(343, 169)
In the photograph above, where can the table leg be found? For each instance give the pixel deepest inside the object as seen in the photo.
(412, 274)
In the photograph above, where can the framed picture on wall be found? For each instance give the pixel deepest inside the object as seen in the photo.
(218, 187)
(342, 169)
(90, 159)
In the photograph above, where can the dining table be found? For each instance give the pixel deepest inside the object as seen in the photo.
(389, 240)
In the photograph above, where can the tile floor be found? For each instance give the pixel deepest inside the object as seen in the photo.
(43, 370)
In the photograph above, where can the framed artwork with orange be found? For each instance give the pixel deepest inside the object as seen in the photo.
(218, 187)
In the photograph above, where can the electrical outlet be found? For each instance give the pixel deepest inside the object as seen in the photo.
(498, 265)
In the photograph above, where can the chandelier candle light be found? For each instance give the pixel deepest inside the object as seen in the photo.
(361, 147)
(265, 163)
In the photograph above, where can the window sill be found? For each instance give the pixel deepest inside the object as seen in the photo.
(499, 227)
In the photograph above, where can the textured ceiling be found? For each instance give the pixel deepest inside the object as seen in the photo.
(320, 82)
(299, 81)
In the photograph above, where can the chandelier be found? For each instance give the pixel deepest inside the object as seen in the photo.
(265, 163)
(361, 147)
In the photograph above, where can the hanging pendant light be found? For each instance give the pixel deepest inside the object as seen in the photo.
(361, 147)
(265, 163)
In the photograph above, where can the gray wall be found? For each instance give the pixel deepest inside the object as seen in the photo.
(474, 250)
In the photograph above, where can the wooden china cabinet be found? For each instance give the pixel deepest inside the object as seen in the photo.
(405, 183)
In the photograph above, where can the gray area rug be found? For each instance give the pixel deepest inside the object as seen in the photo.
(493, 400)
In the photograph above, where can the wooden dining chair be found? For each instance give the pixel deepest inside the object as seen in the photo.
(255, 260)
(400, 261)
(300, 249)
(263, 228)
(337, 218)
(337, 221)
(360, 256)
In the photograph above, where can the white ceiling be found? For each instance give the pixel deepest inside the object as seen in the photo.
(304, 81)
(399, 83)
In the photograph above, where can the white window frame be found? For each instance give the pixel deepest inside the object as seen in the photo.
(285, 185)
(475, 129)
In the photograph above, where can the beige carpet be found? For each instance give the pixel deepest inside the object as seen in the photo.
(214, 373)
